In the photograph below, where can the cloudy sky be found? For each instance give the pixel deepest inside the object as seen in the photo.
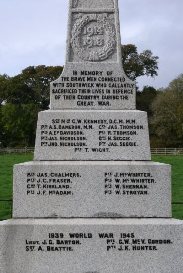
(33, 32)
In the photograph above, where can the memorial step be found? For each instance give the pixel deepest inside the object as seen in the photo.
(92, 135)
(91, 245)
(91, 189)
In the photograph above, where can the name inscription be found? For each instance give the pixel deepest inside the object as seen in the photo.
(122, 242)
(65, 183)
(76, 134)
(128, 184)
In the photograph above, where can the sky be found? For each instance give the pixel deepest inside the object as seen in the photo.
(33, 32)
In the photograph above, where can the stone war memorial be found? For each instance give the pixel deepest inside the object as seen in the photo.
(92, 201)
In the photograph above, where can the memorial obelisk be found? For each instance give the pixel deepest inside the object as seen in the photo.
(92, 200)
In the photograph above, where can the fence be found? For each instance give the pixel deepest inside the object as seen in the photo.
(25, 150)
(154, 151)
(167, 151)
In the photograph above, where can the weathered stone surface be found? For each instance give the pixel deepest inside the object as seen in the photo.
(94, 33)
(88, 245)
(92, 189)
(95, 4)
(93, 77)
(92, 135)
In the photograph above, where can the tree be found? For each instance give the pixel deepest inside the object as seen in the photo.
(32, 86)
(1, 130)
(19, 124)
(136, 65)
(4, 79)
(17, 92)
(38, 79)
(3, 83)
(167, 118)
(24, 95)
(145, 99)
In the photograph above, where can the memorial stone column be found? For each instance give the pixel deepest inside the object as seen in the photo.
(92, 201)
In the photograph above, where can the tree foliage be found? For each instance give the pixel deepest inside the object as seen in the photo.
(32, 86)
(139, 64)
(145, 99)
(1, 129)
(3, 87)
(19, 124)
(24, 96)
(167, 118)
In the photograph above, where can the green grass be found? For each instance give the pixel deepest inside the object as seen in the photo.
(6, 178)
(177, 182)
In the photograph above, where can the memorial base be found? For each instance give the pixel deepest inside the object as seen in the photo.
(92, 135)
(91, 245)
(92, 189)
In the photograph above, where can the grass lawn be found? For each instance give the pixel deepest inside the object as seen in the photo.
(6, 178)
(177, 182)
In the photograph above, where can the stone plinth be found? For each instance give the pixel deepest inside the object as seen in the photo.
(92, 189)
(89, 245)
(92, 135)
